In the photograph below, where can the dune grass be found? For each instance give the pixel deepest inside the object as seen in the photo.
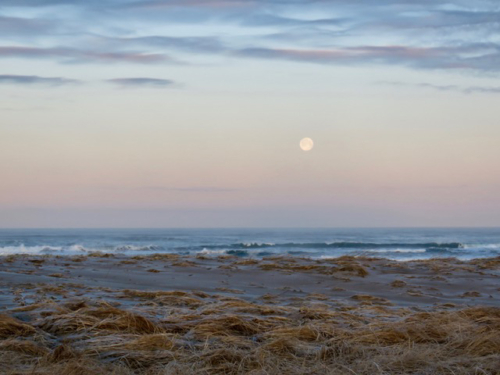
(175, 332)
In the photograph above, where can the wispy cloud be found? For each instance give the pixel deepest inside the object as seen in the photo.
(438, 18)
(196, 189)
(215, 4)
(421, 85)
(462, 89)
(71, 55)
(385, 32)
(466, 57)
(194, 44)
(35, 80)
(259, 19)
(142, 82)
(24, 26)
(349, 55)
(485, 89)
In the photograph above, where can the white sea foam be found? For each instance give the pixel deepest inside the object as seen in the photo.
(71, 250)
(395, 251)
(30, 250)
(492, 246)
(211, 252)
(257, 244)
(136, 248)
(330, 256)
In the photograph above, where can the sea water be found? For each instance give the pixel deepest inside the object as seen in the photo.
(398, 244)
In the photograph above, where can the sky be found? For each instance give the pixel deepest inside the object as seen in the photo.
(189, 113)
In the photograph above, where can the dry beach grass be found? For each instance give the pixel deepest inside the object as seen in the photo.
(79, 329)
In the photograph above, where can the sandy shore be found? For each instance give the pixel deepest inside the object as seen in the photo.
(167, 314)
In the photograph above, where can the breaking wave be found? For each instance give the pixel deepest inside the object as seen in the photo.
(75, 249)
(390, 250)
(331, 245)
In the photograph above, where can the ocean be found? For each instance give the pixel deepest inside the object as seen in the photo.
(397, 244)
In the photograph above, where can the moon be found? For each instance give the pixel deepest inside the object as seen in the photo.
(306, 144)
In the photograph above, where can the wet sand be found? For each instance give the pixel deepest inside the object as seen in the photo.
(59, 304)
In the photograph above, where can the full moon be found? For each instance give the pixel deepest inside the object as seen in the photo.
(306, 144)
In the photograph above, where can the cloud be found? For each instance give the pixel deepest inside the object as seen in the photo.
(485, 57)
(195, 44)
(45, 3)
(363, 54)
(23, 26)
(481, 89)
(385, 32)
(35, 80)
(465, 90)
(199, 189)
(135, 3)
(437, 18)
(257, 20)
(305, 35)
(203, 4)
(421, 85)
(79, 56)
(142, 82)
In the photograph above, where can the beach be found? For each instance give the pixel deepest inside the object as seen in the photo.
(175, 314)
(249, 187)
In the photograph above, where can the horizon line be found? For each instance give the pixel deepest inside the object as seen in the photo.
(250, 227)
